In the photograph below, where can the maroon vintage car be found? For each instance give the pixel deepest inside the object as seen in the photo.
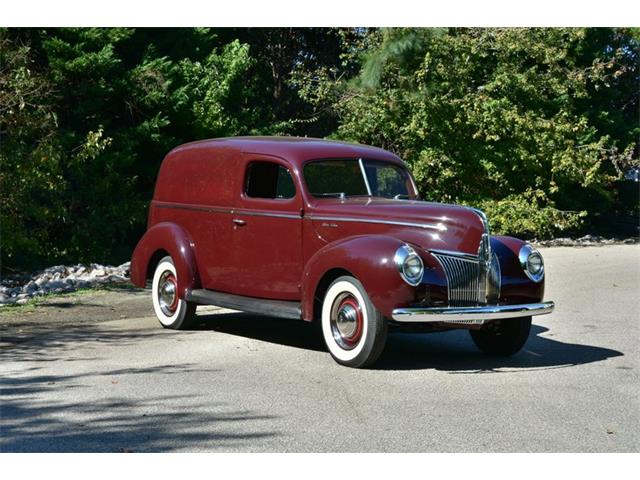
(329, 232)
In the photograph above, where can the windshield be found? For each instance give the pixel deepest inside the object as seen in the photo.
(338, 178)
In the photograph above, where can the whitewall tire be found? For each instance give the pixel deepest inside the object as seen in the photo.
(172, 311)
(354, 331)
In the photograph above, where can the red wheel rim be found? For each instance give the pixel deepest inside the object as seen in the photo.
(168, 293)
(347, 321)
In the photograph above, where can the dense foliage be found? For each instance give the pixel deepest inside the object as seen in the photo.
(534, 125)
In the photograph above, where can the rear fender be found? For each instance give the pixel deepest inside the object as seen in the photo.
(171, 238)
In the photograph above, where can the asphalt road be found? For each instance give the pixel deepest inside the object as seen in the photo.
(76, 376)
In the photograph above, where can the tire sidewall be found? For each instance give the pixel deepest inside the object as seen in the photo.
(175, 320)
(362, 351)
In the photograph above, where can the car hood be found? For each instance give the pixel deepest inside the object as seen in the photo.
(427, 225)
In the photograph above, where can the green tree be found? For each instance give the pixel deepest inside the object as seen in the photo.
(89, 113)
(504, 119)
(29, 173)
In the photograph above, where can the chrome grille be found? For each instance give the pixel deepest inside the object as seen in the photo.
(466, 280)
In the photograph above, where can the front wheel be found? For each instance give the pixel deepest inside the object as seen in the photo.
(354, 331)
(502, 337)
(172, 311)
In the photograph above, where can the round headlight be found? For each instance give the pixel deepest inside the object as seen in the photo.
(534, 263)
(531, 262)
(409, 265)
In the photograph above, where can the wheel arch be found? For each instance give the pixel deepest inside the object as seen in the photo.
(368, 258)
(154, 261)
(164, 239)
(323, 285)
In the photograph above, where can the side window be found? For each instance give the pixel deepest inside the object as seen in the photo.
(269, 180)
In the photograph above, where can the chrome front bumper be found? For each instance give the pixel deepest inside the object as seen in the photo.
(470, 315)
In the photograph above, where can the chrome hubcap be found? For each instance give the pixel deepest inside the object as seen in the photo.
(167, 293)
(346, 321)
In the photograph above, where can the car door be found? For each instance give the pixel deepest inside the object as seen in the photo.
(267, 231)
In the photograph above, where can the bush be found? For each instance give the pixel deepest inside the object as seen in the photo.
(520, 215)
(534, 124)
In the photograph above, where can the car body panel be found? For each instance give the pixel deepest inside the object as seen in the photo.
(426, 224)
(267, 241)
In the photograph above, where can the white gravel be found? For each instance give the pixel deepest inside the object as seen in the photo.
(585, 241)
(60, 279)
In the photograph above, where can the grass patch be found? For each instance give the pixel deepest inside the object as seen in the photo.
(33, 303)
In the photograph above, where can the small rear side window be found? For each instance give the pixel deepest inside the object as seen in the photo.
(269, 180)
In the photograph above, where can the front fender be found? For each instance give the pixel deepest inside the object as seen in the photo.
(370, 259)
(516, 287)
(171, 238)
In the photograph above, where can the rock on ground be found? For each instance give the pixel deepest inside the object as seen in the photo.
(60, 279)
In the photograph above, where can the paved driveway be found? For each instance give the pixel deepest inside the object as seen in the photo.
(75, 376)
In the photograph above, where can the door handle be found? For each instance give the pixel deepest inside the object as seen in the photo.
(239, 222)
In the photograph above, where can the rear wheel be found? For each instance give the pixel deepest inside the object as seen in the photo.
(172, 311)
(502, 337)
(354, 331)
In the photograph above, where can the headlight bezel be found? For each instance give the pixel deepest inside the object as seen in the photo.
(403, 255)
(527, 252)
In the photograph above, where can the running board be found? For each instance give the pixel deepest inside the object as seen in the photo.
(272, 308)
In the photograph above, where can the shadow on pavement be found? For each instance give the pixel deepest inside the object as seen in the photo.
(41, 412)
(51, 344)
(291, 333)
(454, 352)
(36, 419)
(451, 351)
(62, 304)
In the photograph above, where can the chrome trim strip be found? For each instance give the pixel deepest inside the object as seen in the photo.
(364, 175)
(470, 315)
(440, 227)
(188, 206)
(415, 188)
(484, 249)
(257, 213)
(205, 208)
(483, 218)
(212, 209)
(450, 253)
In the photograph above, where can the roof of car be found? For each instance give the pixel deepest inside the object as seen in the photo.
(294, 149)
